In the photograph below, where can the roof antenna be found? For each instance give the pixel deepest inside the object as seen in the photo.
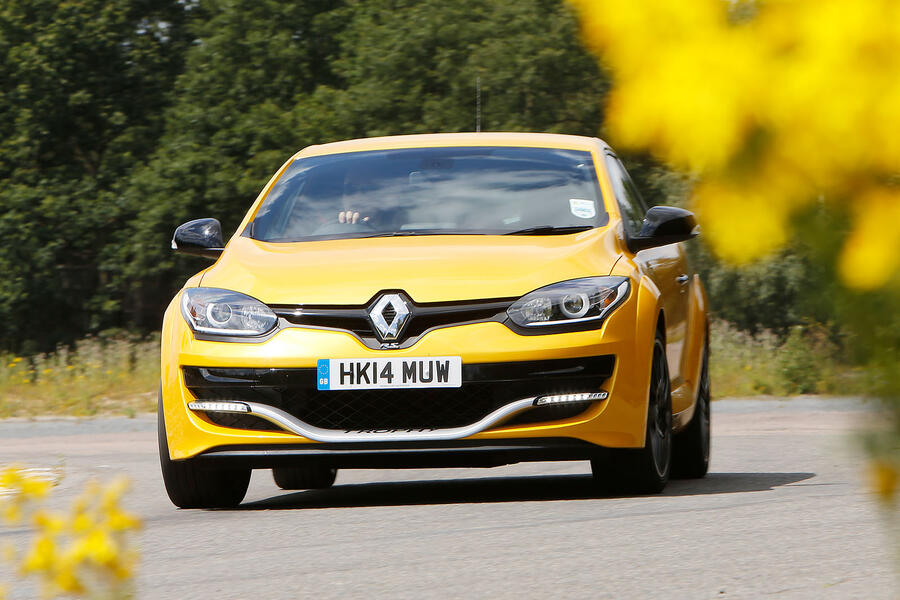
(478, 103)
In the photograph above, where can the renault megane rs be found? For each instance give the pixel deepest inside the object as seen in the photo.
(439, 300)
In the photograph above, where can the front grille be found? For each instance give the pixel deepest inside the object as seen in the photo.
(242, 421)
(485, 388)
(422, 317)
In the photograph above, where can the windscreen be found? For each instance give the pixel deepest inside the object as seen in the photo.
(432, 191)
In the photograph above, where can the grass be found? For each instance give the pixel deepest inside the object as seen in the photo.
(805, 362)
(96, 376)
(120, 375)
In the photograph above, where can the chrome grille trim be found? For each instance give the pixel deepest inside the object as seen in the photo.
(294, 425)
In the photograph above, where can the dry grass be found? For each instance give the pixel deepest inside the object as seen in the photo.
(108, 376)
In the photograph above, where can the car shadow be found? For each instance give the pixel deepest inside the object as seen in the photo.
(508, 489)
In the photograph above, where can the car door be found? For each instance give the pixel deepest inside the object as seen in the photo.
(665, 265)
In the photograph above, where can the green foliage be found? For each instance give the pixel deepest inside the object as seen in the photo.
(411, 66)
(806, 361)
(119, 121)
(82, 83)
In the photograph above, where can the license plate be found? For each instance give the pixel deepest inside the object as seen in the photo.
(389, 373)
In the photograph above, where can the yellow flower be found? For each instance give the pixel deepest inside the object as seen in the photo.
(35, 487)
(750, 105)
(118, 520)
(99, 547)
(42, 555)
(50, 523)
(871, 255)
(84, 552)
(12, 513)
(885, 479)
(68, 582)
(82, 522)
(10, 476)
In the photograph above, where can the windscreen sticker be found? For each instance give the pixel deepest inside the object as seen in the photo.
(583, 209)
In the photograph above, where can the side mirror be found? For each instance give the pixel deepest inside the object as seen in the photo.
(664, 225)
(200, 237)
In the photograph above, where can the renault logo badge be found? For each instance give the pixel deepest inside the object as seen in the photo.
(389, 315)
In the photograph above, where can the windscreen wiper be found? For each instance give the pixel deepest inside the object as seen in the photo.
(404, 232)
(550, 230)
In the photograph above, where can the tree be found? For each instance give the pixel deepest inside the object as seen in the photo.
(82, 83)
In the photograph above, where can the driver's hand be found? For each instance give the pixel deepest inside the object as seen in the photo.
(350, 216)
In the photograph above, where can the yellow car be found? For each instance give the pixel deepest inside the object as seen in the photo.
(447, 300)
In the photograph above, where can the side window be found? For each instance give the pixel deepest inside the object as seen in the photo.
(630, 202)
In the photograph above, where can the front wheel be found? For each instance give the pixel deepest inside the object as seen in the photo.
(191, 486)
(645, 470)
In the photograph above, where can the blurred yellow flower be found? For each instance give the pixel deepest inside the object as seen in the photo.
(12, 512)
(771, 106)
(872, 252)
(50, 523)
(41, 556)
(68, 582)
(885, 479)
(87, 551)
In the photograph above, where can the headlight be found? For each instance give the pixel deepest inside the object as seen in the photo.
(223, 312)
(569, 302)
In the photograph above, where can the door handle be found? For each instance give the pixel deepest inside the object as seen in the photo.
(682, 279)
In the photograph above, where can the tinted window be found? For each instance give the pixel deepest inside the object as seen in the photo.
(431, 190)
(630, 202)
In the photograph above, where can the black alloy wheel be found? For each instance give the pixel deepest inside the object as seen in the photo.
(190, 485)
(645, 470)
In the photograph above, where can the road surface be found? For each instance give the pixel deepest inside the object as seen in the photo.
(785, 512)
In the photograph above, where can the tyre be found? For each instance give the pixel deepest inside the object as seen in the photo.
(645, 470)
(191, 486)
(309, 477)
(690, 458)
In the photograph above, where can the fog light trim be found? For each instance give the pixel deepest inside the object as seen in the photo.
(228, 407)
(567, 398)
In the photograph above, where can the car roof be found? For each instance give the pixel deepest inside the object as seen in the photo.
(438, 140)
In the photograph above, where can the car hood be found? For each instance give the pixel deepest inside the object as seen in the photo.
(427, 268)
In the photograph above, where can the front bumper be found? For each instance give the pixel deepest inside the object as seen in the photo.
(406, 455)
(492, 394)
(617, 421)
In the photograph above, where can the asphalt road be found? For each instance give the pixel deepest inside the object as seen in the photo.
(784, 512)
